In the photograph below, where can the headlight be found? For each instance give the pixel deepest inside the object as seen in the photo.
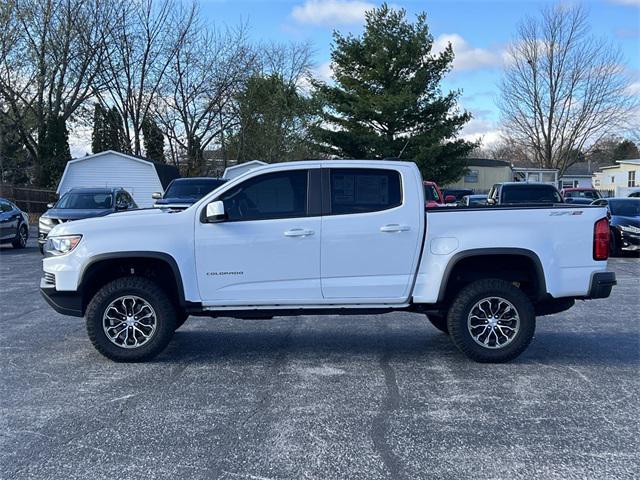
(629, 229)
(46, 221)
(62, 245)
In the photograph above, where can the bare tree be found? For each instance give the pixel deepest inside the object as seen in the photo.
(196, 105)
(563, 89)
(50, 53)
(143, 38)
(291, 62)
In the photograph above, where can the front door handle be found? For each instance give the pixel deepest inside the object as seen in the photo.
(298, 232)
(395, 227)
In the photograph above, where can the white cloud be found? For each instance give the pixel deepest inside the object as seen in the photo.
(79, 140)
(481, 128)
(323, 72)
(331, 12)
(466, 56)
(633, 89)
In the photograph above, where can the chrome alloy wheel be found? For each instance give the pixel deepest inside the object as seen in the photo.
(493, 322)
(23, 235)
(129, 321)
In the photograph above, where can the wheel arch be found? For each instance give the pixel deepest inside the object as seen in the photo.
(519, 257)
(108, 266)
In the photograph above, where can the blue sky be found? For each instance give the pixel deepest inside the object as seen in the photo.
(479, 31)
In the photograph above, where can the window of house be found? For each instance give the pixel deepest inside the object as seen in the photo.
(632, 179)
(360, 190)
(471, 176)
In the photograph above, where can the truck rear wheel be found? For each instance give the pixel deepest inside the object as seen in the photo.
(130, 319)
(491, 321)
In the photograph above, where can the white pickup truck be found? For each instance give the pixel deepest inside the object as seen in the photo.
(327, 237)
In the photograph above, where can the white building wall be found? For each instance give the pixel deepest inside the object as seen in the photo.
(138, 177)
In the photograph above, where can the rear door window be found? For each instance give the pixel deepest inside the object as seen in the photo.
(362, 190)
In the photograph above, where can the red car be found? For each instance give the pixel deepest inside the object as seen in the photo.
(433, 196)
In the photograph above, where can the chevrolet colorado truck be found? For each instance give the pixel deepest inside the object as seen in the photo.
(327, 237)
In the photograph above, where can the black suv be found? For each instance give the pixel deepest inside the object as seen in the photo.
(181, 193)
(80, 203)
(14, 224)
(510, 193)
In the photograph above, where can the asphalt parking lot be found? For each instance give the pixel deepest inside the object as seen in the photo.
(363, 397)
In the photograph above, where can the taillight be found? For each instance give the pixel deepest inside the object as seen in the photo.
(601, 239)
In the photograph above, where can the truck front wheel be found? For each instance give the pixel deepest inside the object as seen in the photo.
(439, 321)
(130, 319)
(491, 321)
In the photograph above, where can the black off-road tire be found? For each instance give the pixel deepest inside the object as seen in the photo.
(181, 317)
(439, 321)
(464, 302)
(22, 235)
(149, 291)
(614, 250)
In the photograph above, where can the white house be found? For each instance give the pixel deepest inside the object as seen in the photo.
(620, 179)
(241, 168)
(139, 176)
(577, 175)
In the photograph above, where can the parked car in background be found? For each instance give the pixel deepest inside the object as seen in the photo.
(512, 193)
(635, 194)
(433, 195)
(473, 201)
(184, 192)
(81, 203)
(581, 196)
(14, 224)
(624, 222)
(457, 193)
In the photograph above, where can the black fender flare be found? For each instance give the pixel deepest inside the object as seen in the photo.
(483, 252)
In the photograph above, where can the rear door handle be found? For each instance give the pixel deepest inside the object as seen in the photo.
(298, 232)
(395, 227)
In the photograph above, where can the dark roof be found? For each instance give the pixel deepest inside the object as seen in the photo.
(165, 172)
(486, 162)
(579, 169)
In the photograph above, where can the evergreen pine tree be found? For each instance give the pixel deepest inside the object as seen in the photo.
(153, 140)
(54, 152)
(387, 100)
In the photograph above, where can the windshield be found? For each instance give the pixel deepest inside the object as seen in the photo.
(591, 194)
(431, 194)
(625, 208)
(192, 188)
(86, 201)
(530, 194)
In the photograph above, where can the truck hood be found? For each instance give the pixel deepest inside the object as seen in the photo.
(131, 221)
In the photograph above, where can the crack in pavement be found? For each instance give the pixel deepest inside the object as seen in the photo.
(380, 425)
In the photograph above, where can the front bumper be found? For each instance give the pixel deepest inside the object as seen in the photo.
(601, 285)
(65, 303)
(629, 241)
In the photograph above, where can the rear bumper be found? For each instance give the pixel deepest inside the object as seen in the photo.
(65, 303)
(601, 285)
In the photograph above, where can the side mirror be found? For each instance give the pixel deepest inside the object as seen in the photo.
(156, 195)
(491, 201)
(215, 212)
(450, 199)
(50, 205)
(122, 206)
